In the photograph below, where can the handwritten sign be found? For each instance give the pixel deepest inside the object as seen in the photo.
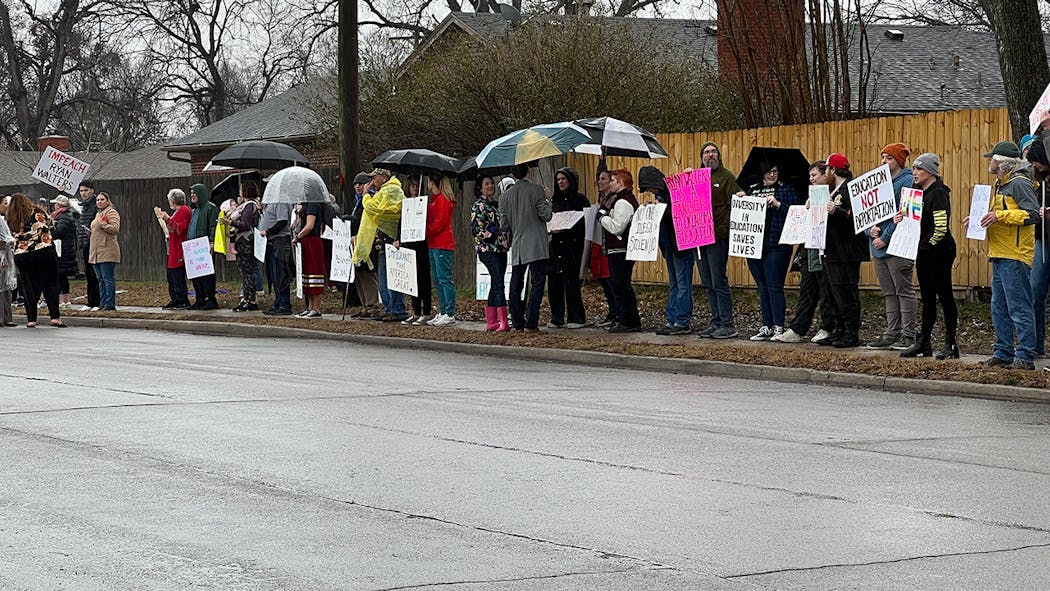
(59, 170)
(871, 197)
(564, 220)
(413, 219)
(258, 245)
(299, 271)
(1040, 111)
(982, 198)
(905, 240)
(694, 221)
(401, 270)
(483, 281)
(747, 224)
(592, 228)
(197, 254)
(342, 269)
(796, 225)
(643, 241)
(819, 196)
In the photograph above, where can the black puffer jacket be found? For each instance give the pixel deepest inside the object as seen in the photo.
(566, 248)
(66, 231)
(843, 245)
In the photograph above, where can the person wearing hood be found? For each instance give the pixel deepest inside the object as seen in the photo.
(65, 233)
(615, 214)
(770, 271)
(380, 221)
(679, 310)
(714, 258)
(204, 216)
(566, 255)
(933, 264)
(894, 273)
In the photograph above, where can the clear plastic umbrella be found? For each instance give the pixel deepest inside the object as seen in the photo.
(295, 185)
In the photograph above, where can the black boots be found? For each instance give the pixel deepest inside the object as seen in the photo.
(921, 348)
(950, 351)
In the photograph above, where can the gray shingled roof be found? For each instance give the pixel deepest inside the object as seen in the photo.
(16, 168)
(915, 74)
(285, 116)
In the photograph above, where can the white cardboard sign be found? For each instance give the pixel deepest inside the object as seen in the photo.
(342, 269)
(483, 281)
(747, 225)
(59, 170)
(197, 254)
(643, 241)
(401, 270)
(905, 240)
(259, 244)
(796, 226)
(982, 197)
(1040, 111)
(413, 219)
(871, 198)
(819, 196)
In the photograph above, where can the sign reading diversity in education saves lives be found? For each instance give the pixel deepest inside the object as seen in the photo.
(747, 224)
(59, 170)
(871, 197)
(694, 222)
(197, 255)
(905, 240)
(643, 241)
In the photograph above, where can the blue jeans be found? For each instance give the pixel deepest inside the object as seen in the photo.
(1012, 310)
(527, 314)
(714, 259)
(441, 271)
(393, 301)
(1040, 280)
(496, 263)
(107, 284)
(769, 273)
(679, 310)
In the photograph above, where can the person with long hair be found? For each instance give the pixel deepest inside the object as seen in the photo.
(422, 304)
(35, 258)
(65, 237)
(812, 290)
(8, 274)
(490, 243)
(933, 265)
(243, 221)
(104, 250)
(844, 252)
(678, 312)
(615, 215)
(599, 263)
(770, 271)
(313, 216)
(566, 252)
(441, 243)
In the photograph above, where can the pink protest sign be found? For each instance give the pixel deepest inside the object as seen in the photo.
(694, 222)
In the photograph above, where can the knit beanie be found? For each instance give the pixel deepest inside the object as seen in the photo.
(898, 152)
(928, 162)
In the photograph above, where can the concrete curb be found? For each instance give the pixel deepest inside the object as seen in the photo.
(592, 358)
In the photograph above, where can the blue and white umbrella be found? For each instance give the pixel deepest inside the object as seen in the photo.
(527, 145)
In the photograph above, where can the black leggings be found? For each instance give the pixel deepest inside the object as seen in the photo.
(38, 271)
(934, 270)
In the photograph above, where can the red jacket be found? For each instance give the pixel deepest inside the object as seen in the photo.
(179, 230)
(439, 223)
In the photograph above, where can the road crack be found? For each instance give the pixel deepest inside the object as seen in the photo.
(512, 580)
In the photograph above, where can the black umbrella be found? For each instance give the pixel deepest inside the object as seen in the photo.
(469, 170)
(619, 138)
(230, 186)
(260, 154)
(417, 161)
(791, 163)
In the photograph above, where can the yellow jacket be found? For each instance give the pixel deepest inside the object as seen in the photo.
(1016, 209)
(379, 211)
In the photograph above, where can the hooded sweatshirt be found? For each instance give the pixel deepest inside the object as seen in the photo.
(1016, 210)
(723, 187)
(205, 214)
(566, 248)
(651, 179)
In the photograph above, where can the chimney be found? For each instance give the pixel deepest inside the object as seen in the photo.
(585, 7)
(58, 142)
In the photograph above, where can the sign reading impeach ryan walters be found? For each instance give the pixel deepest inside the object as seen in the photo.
(871, 196)
(59, 170)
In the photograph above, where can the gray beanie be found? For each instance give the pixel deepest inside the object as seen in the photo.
(928, 162)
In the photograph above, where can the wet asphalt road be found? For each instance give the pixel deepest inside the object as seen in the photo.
(142, 460)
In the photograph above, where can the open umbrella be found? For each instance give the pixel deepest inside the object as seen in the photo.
(619, 138)
(469, 170)
(790, 162)
(230, 186)
(295, 185)
(526, 145)
(260, 154)
(417, 161)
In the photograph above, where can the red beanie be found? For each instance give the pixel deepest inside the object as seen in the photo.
(898, 152)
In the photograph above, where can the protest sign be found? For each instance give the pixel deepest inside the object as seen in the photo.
(299, 271)
(694, 222)
(401, 270)
(413, 219)
(160, 220)
(643, 241)
(483, 281)
(747, 224)
(819, 196)
(59, 170)
(592, 229)
(1040, 111)
(564, 220)
(259, 245)
(197, 255)
(982, 197)
(342, 269)
(905, 240)
(796, 226)
(871, 198)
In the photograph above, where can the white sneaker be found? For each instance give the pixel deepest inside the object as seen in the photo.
(553, 325)
(84, 309)
(788, 336)
(445, 320)
(820, 336)
(434, 321)
(94, 309)
(574, 325)
(777, 331)
(763, 334)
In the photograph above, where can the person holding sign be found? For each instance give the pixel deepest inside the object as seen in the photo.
(35, 258)
(893, 272)
(844, 251)
(563, 281)
(242, 222)
(1037, 157)
(714, 258)
(678, 313)
(1011, 249)
(65, 233)
(422, 304)
(203, 221)
(380, 217)
(178, 223)
(933, 264)
(490, 243)
(441, 244)
(770, 271)
(615, 214)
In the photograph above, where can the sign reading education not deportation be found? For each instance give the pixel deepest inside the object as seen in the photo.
(747, 224)
(871, 197)
(60, 170)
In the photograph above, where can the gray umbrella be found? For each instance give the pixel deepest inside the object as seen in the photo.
(295, 185)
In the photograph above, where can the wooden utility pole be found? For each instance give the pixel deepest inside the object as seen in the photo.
(349, 101)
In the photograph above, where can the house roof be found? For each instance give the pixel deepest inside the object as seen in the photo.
(932, 68)
(286, 116)
(16, 168)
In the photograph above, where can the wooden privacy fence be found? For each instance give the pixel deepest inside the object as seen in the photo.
(960, 138)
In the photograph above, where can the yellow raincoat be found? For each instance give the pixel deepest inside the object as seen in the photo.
(380, 211)
(221, 235)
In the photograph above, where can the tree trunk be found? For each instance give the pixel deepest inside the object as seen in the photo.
(349, 113)
(1022, 56)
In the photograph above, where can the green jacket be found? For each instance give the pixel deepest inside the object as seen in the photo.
(723, 187)
(207, 217)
